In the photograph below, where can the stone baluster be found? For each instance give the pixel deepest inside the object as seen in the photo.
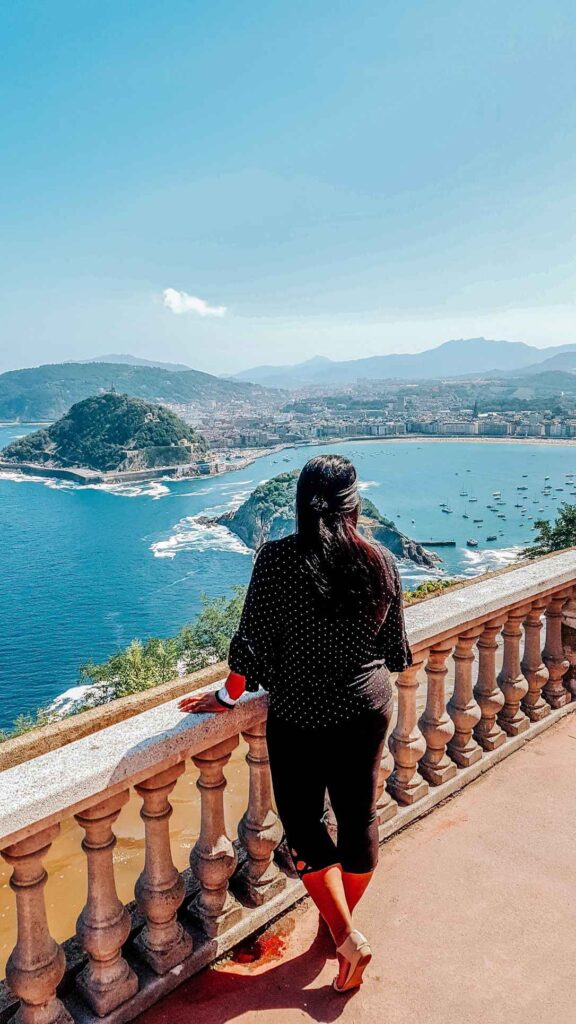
(568, 633)
(213, 858)
(463, 707)
(260, 830)
(159, 891)
(510, 679)
(532, 665)
(386, 806)
(104, 925)
(436, 725)
(37, 964)
(487, 692)
(407, 743)
(553, 654)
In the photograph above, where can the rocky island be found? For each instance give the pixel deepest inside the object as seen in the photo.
(108, 434)
(269, 514)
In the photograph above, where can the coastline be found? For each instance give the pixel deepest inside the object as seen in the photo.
(87, 477)
(244, 457)
(435, 439)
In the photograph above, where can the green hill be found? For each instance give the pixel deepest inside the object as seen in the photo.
(47, 392)
(110, 432)
(269, 513)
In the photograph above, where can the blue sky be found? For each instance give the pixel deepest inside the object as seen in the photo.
(226, 184)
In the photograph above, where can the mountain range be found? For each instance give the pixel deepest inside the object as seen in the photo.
(44, 393)
(457, 358)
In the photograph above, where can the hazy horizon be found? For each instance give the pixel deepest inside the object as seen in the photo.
(225, 191)
(98, 357)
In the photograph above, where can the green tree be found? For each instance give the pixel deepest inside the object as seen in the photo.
(143, 665)
(561, 535)
(426, 588)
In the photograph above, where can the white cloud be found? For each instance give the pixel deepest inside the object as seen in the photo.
(181, 302)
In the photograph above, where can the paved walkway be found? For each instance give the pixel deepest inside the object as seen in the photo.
(472, 917)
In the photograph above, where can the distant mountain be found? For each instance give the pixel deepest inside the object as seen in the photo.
(110, 432)
(136, 361)
(286, 376)
(564, 362)
(452, 359)
(47, 392)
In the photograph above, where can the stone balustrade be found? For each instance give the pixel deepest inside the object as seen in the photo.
(483, 682)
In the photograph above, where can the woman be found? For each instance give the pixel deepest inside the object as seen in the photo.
(321, 628)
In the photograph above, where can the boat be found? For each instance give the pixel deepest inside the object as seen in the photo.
(472, 543)
(477, 520)
(472, 499)
(518, 504)
(463, 494)
(524, 475)
(448, 511)
(496, 494)
(492, 537)
(522, 488)
(465, 515)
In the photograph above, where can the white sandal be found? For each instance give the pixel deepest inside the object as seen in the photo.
(356, 950)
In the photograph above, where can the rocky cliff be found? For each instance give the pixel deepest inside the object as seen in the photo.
(269, 514)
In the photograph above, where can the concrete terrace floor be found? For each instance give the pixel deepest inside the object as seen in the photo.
(472, 918)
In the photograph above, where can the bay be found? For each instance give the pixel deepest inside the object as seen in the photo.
(86, 570)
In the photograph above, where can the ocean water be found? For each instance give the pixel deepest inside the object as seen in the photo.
(85, 570)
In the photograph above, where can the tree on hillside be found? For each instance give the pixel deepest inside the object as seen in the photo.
(562, 534)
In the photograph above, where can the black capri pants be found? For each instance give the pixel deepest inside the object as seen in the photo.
(342, 760)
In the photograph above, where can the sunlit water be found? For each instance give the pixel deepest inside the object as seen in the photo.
(85, 570)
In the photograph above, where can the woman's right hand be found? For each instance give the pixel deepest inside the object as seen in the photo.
(201, 704)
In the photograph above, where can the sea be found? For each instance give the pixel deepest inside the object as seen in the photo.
(85, 570)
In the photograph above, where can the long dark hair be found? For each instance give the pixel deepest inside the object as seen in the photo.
(346, 569)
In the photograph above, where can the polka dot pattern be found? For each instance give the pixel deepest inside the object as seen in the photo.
(320, 668)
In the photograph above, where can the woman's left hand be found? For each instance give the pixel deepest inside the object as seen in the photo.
(201, 704)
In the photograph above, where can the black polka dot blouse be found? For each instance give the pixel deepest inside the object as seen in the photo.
(319, 668)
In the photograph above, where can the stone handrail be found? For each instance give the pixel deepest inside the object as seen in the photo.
(130, 961)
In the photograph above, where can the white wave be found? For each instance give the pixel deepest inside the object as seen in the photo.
(224, 488)
(69, 700)
(480, 560)
(412, 573)
(145, 488)
(138, 489)
(365, 485)
(191, 535)
(230, 504)
(24, 478)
